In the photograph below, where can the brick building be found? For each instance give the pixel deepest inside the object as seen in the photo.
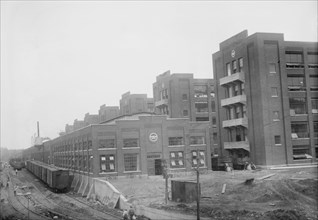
(182, 96)
(135, 103)
(134, 144)
(267, 99)
(108, 112)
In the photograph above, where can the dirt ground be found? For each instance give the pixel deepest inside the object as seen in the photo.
(288, 194)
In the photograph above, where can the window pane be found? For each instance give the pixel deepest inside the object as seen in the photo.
(130, 142)
(176, 159)
(200, 91)
(197, 140)
(274, 92)
(201, 107)
(175, 141)
(130, 161)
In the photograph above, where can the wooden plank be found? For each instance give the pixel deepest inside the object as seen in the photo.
(224, 187)
(267, 176)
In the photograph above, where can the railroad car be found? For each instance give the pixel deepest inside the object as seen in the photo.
(56, 178)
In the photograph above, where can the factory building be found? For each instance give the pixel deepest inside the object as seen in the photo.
(180, 95)
(135, 103)
(267, 99)
(136, 144)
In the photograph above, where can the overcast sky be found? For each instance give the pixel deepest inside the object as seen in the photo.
(60, 60)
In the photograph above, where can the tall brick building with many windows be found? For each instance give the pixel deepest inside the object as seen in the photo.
(267, 99)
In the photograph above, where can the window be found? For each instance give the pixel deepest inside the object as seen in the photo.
(200, 91)
(185, 113)
(274, 92)
(131, 162)
(236, 90)
(296, 83)
(107, 163)
(130, 142)
(294, 59)
(195, 140)
(184, 97)
(301, 152)
(240, 64)
(214, 121)
(215, 136)
(244, 111)
(242, 88)
(312, 60)
(89, 144)
(213, 106)
(84, 145)
(173, 141)
(234, 63)
(299, 130)
(198, 158)
(316, 129)
(237, 112)
(228, 69)
(202, 119)
(272, 68)
(201, 107)
(314, 105)
(275, 116)
(107, 143)
(297, 106)
(277, 140)
(176, 159)
(313, 83)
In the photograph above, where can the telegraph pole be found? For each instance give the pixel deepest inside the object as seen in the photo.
(198, 191)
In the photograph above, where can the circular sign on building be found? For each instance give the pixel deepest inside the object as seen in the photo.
(233, 53)
(153, 137)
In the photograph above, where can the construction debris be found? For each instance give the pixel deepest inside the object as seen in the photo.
(223, 189)
(265, 177)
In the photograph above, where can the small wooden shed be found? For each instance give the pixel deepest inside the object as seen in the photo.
(184, 190)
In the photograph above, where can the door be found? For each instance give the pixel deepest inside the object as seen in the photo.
(158, 167)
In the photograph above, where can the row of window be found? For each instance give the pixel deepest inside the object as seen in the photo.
(234, 67)
(85, 145)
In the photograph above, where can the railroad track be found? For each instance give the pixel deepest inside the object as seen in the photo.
(20, 208)
(37, 209)
(77, 211)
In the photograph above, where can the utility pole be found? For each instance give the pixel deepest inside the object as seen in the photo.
(165, 175)
(198, 191)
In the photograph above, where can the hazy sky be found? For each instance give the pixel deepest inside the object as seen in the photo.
(60, 60)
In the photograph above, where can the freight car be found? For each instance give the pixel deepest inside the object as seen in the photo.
(17, 163)
(56, 178)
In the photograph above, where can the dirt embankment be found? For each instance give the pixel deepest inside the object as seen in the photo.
(288, 194)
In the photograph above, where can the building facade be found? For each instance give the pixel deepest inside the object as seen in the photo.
(182, 96)
(135, 103)
(108, 112)
(267, 98)
(133, 145)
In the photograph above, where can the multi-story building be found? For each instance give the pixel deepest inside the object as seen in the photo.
(182, 96)
(267, 99)
(108, 112)
(135, 103)
(78, 124)
(91, 119)
(134, 145)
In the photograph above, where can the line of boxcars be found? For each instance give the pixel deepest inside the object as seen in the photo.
(56, 178)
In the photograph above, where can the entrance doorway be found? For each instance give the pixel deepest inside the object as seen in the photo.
(158, 167)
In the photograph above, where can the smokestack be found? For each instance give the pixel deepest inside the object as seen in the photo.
(38, 129)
